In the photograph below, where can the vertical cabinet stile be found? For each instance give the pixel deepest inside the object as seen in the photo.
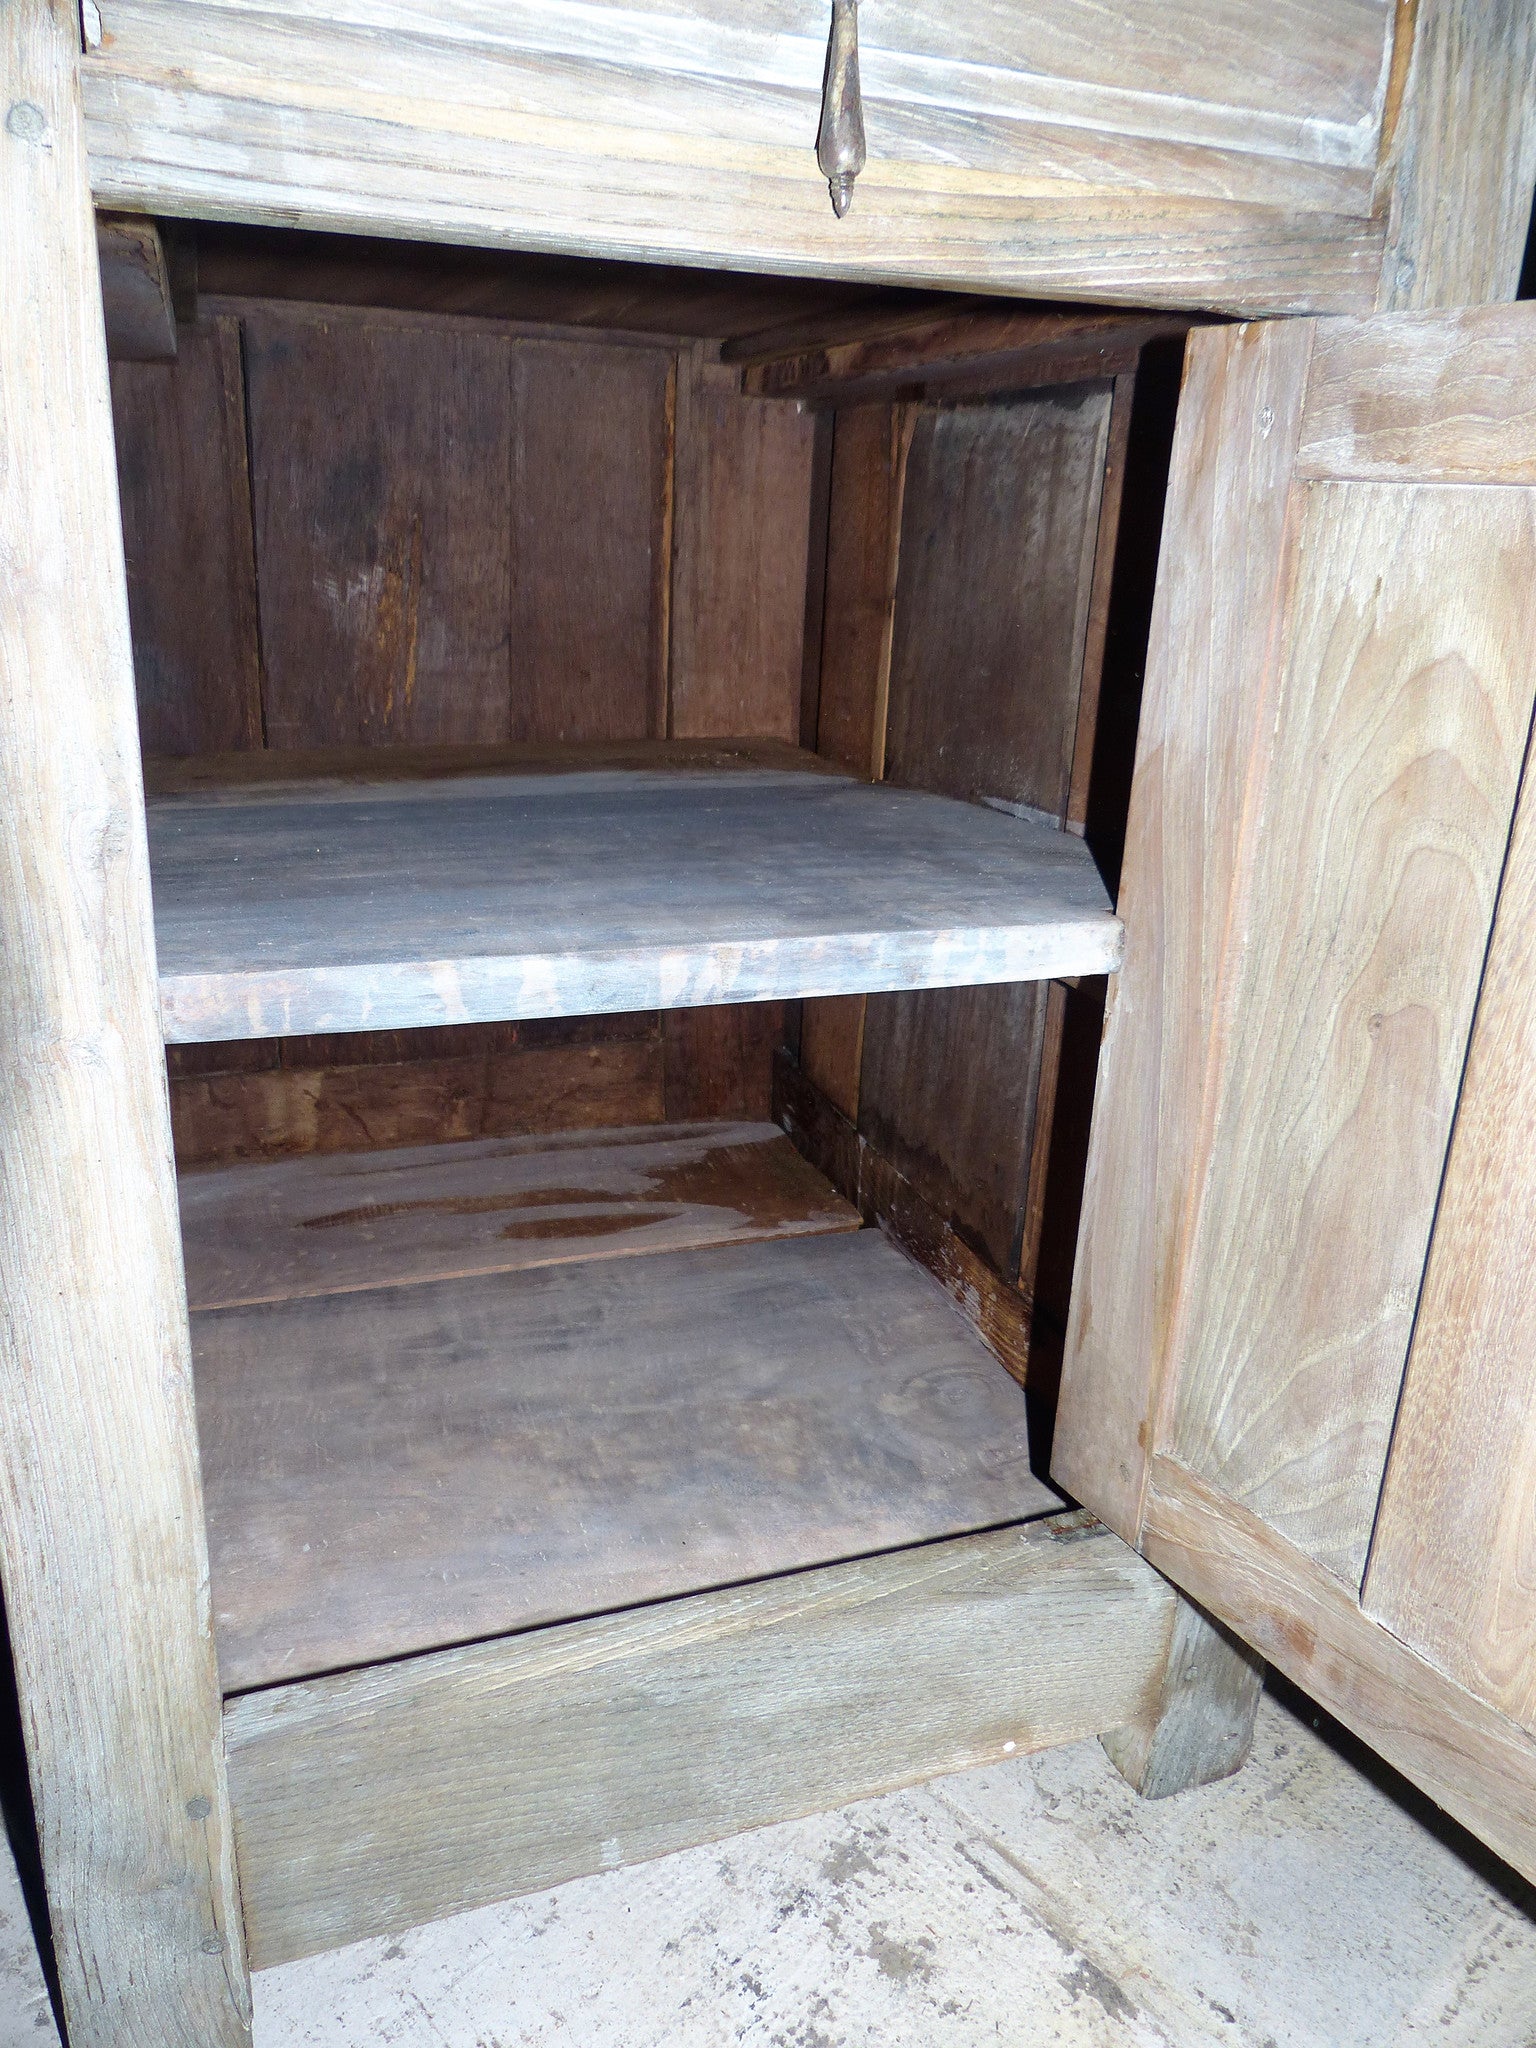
(101, 1529)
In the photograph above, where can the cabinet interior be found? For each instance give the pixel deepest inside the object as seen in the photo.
(637, 762)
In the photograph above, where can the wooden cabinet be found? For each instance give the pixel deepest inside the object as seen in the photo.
(557, 1473)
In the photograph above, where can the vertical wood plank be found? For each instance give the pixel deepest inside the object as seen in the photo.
(1000, 524)
(868, 469)
(382, 472)
(1382, 790)
(1460, 154)
(1454, 1555)
(101, 1532)
(186, 498)
(590, 512)
(1207, 670)
(718, 1060)
(1000, 535)
(741, 526)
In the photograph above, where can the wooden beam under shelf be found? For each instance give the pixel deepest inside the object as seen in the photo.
(370, 1802)
(408, 904)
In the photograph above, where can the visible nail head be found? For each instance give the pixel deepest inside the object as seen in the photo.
(27, 122)
(199, 1807)
(213, 1944)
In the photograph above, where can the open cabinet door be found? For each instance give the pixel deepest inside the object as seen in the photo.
(1332, 1451)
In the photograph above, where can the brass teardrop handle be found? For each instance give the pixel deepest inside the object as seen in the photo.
(840, 142)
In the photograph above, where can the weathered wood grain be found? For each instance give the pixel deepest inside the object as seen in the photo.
(1471, 1760)
(1459, 157)
(340, 1223)
(590, 541)
(1206, 677)
(1020, 349)
(741, 524)
(1378, 817)
(376, 1095)
(1218, 152)
(1451, 1563)
(185, 492)
(657, 301)
(719, 1059)
(400, 1470)
(869, 458)
(1199, 1726)
(1424, 398)
(101, 1541)
(244, 777)
(412, 904)
(370, 1802)
(999, 534)
(948, 1086)
(135, 290)
(1001, 1314)
(382, 472)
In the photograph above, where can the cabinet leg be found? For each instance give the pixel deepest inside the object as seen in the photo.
(1199, 1721)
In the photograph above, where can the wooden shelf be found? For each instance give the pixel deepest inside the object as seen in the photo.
(410, 1467)
(337, 1224)
(285, 908)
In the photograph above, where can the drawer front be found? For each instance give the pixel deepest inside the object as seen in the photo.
(1210, 152)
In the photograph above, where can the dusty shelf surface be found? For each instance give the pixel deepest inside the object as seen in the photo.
(399, 1469)
(351, 907)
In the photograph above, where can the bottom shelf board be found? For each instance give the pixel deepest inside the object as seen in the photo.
(273, 1230)
(410, 1467)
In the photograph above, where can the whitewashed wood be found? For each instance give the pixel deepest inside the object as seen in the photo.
(399, 1470)
(1218, 588)
(1424, 398)
(373, 1801)
(1198, 1727)
(1470, 1759)
(101, 1537)
(1453, 1557)
(1218, 152)
(1378, 800)
(1460, 155)
(332, 1224)
(563, 895)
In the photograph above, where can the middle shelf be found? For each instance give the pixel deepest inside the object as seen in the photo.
(363, 906)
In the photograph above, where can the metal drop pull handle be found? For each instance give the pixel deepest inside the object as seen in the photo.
(840, 142)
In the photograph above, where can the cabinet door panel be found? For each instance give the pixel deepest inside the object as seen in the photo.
(1307, 925)
(1377, 824)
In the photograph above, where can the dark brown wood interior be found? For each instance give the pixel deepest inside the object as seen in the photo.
(387, 495)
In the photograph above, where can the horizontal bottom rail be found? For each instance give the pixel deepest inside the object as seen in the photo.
(378, 1799)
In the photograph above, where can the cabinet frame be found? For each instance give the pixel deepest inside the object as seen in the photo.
(100, 1512)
